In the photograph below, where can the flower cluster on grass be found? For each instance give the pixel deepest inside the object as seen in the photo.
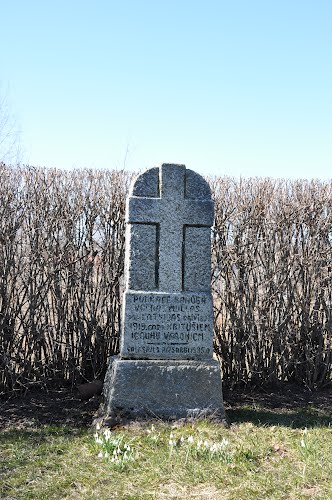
(153, 436)
(199, 448)
(113, 448)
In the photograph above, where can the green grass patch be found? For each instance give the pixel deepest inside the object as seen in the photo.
(262, 455)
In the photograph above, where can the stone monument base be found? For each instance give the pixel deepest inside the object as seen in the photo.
(166, 389)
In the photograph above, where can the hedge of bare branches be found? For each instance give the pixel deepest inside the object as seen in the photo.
(61, 271)
(61, 265)
(272, 280)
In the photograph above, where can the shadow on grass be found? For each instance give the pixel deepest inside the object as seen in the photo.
(290, 407)
(41, 435)
(286, 405)
(61, 408)
(293, 419)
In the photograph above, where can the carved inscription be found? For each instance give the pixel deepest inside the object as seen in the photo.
(170, 326)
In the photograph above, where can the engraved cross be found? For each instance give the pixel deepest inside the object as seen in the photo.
(171, 212)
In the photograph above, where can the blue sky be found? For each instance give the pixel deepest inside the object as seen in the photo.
(241, 88)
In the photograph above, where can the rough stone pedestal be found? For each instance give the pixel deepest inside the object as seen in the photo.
(169, 389)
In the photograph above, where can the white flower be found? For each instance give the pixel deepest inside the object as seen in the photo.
(190, 439)
(99, 441)
(171, 435)
(107, 434)
(106, 454)
(100, 454)
(302, 443)
(206, 444)
(98, 427)
(152, 427)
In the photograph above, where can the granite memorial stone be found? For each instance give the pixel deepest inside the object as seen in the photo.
(166, 364)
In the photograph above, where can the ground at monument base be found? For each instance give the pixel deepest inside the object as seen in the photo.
(278, 446)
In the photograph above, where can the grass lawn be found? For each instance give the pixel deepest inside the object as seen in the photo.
(275, 450)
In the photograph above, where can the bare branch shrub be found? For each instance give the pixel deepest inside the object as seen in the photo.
(61, 268)
(272, 280)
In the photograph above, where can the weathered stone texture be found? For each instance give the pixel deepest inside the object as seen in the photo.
(166, 388)
(197, 259)
(142, 267)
